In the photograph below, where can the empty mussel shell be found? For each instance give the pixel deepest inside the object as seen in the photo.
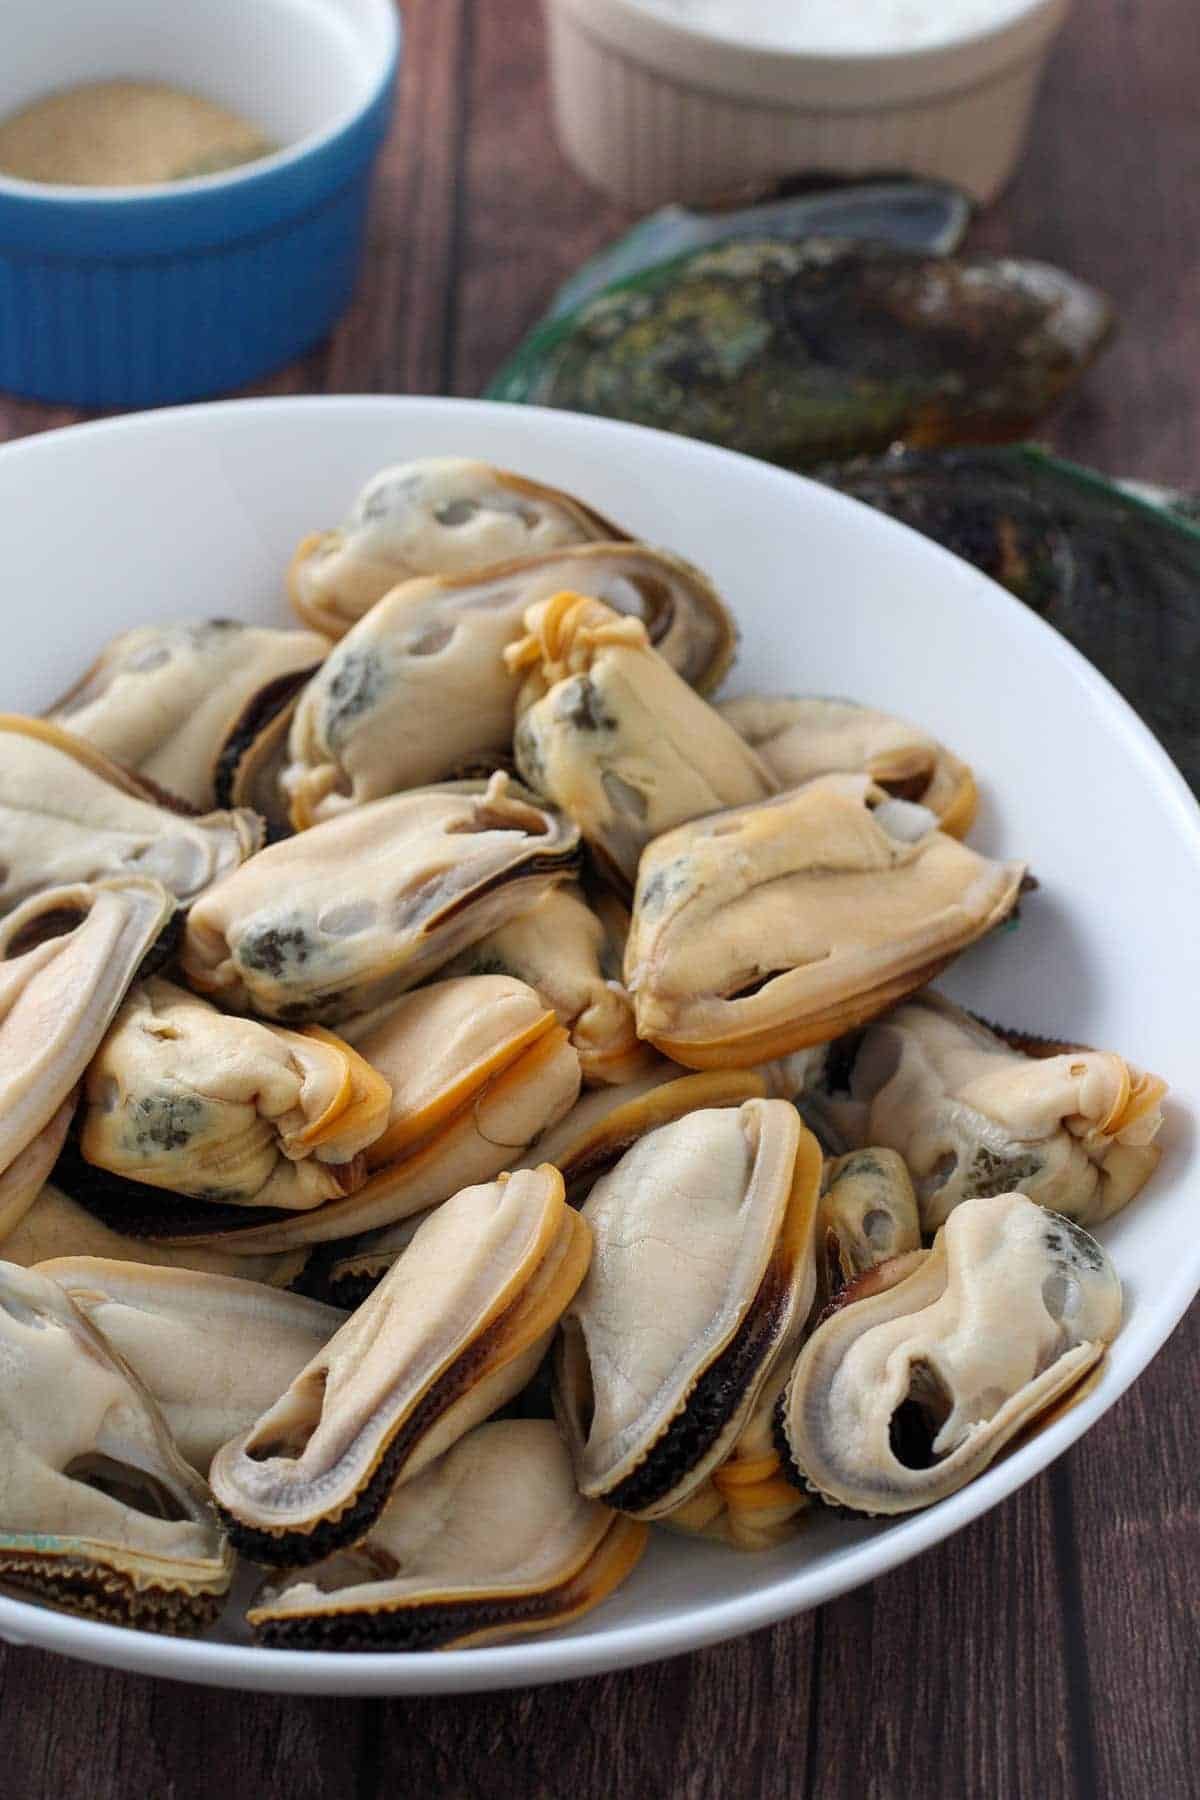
(418, 691)
(181, 703)
(455, 1330)
(609, 732)
(976, 1111)
(800, 738)
(492, 1542)
(702, 1276)
(437, 516)
(182, 1097)
(99, 1513)
(762, 930)
(900, 1398)
(350, 914)
(213, 1351)
(68, 814)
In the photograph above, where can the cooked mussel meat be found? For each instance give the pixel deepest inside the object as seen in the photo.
(214, 1352)
(478, 1067)
(58, 1226)
(866, 1215)
(455, 1330)
(99, 1513)
(762, 930)
(181, 703)
(418, 692)
(900, 1398)
(493, 1541)
(593, 1135)
(603, 1125)
(68, 814)
(441, 515)
(350, 914)
(702, 1276)
(66, 958)
(800, 738)
(976, 1111)
(609, 733)
(183, 1097)
(561, 948)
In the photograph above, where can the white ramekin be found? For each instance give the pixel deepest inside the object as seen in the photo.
(651, 110)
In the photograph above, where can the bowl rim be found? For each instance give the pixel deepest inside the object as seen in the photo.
(244, 175)
(706, 1622)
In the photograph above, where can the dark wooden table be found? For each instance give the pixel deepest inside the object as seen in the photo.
(1051, 1648)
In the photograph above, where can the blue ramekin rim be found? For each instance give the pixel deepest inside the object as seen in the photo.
(105, 225)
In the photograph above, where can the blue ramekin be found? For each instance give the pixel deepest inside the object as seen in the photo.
(148, 295)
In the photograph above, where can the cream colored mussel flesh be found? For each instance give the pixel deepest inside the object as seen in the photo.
(179, 703)
(346, 916)
(801, 738)
(702, 1275)
(607, 731)
(561, 948)
(214, 1352)
(443, 515)
(901, 1398)
(418, 691)
(57, 1226)
(182, 1097)
(593, 1135)
(66, 959)
(491, 1542)
(867, 1214)
(455, 1330)
(973, 1113)
(478, 1067)
(68, 814)
(763, 930)
(99, 1513)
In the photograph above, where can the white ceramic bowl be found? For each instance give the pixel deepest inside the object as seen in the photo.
(653, 109)
(195, 512)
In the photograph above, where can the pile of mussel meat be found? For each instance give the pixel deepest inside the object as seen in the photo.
(469, 1099)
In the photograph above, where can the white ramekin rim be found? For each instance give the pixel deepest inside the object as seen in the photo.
(851, 80)
(385, 13)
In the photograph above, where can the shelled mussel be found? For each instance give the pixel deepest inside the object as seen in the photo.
(99, 1512)
(976, 1111)
(452, 1333)
(701, 1278)
(187, 706)
(773, 926)
(418, 690)
(902, 1396)
(439, 516)
(494, 1540)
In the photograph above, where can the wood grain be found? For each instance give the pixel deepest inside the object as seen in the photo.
(1048, 1650)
